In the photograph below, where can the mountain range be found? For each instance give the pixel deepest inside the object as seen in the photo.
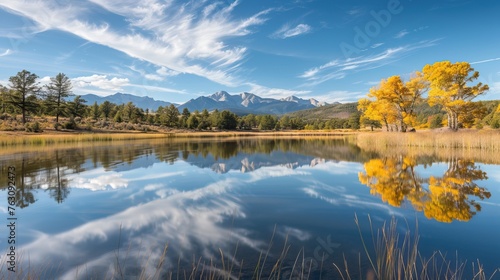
(249, 103)
(241, 104)
(119, 98)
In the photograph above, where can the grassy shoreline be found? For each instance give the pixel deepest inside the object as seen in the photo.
(439, 139)
(51, 138)
(474, 140)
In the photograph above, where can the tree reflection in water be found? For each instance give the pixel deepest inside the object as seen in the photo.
(446, 198)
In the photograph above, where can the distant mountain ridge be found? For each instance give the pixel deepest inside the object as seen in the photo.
(241, 104)
(249, 103)
(119, 98)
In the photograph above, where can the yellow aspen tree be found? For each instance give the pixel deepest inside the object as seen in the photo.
(378, 110)
(449, 87)
(402, 96)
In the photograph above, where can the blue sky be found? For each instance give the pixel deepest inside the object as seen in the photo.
(331, 50)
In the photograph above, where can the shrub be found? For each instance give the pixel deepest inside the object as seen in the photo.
(436, 122)
(5, 117)
(71, 124)
(495, 123)
(34, 127)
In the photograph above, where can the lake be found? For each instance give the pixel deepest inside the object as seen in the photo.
(240, 206)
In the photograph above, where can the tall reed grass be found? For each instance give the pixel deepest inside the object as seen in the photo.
(17, 139)
(397, 258)
(7, 140)
(480, 146)
(469, 139)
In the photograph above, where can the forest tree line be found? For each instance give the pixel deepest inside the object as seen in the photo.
(24, 97)
(394, 105)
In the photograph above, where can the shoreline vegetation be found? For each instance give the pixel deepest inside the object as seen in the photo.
(471, 139)
(471, 144)
(57, 137)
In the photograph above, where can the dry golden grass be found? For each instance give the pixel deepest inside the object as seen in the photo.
(477, 145)
(466, 139)
(393, 256)
(21, 138)
(14, 139)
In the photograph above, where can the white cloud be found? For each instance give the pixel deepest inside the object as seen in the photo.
(338, 69)
(168, 34)
(339, 168)
(486, 60)
(339, 197)
(165, 72)
(374, 46)
(6, 52)
(103, 182)
(44, 80)
(100, 82)
(158, 89)
(274, 171)
(341, 96)
(313, 71)
(160, 74)
(401, 34)
(153, 77)
(301, 235)
(185, 220)
(274, 92)
(286, 31)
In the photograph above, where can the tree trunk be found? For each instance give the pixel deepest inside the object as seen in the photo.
(449, 120)
(455, 117)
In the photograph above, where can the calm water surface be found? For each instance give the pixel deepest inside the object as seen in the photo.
(110, 210)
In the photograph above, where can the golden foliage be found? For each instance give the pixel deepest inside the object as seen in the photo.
(394, 101)
(447, 198)
(449, 87)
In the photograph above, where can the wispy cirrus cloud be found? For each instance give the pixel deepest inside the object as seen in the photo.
(401, 34)
(159, 75)
(341, 96)
(486, 60)
(340, 68)
(287, 31)
(184, 37)
(6, 52)
(274, 92)
(374, 46)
